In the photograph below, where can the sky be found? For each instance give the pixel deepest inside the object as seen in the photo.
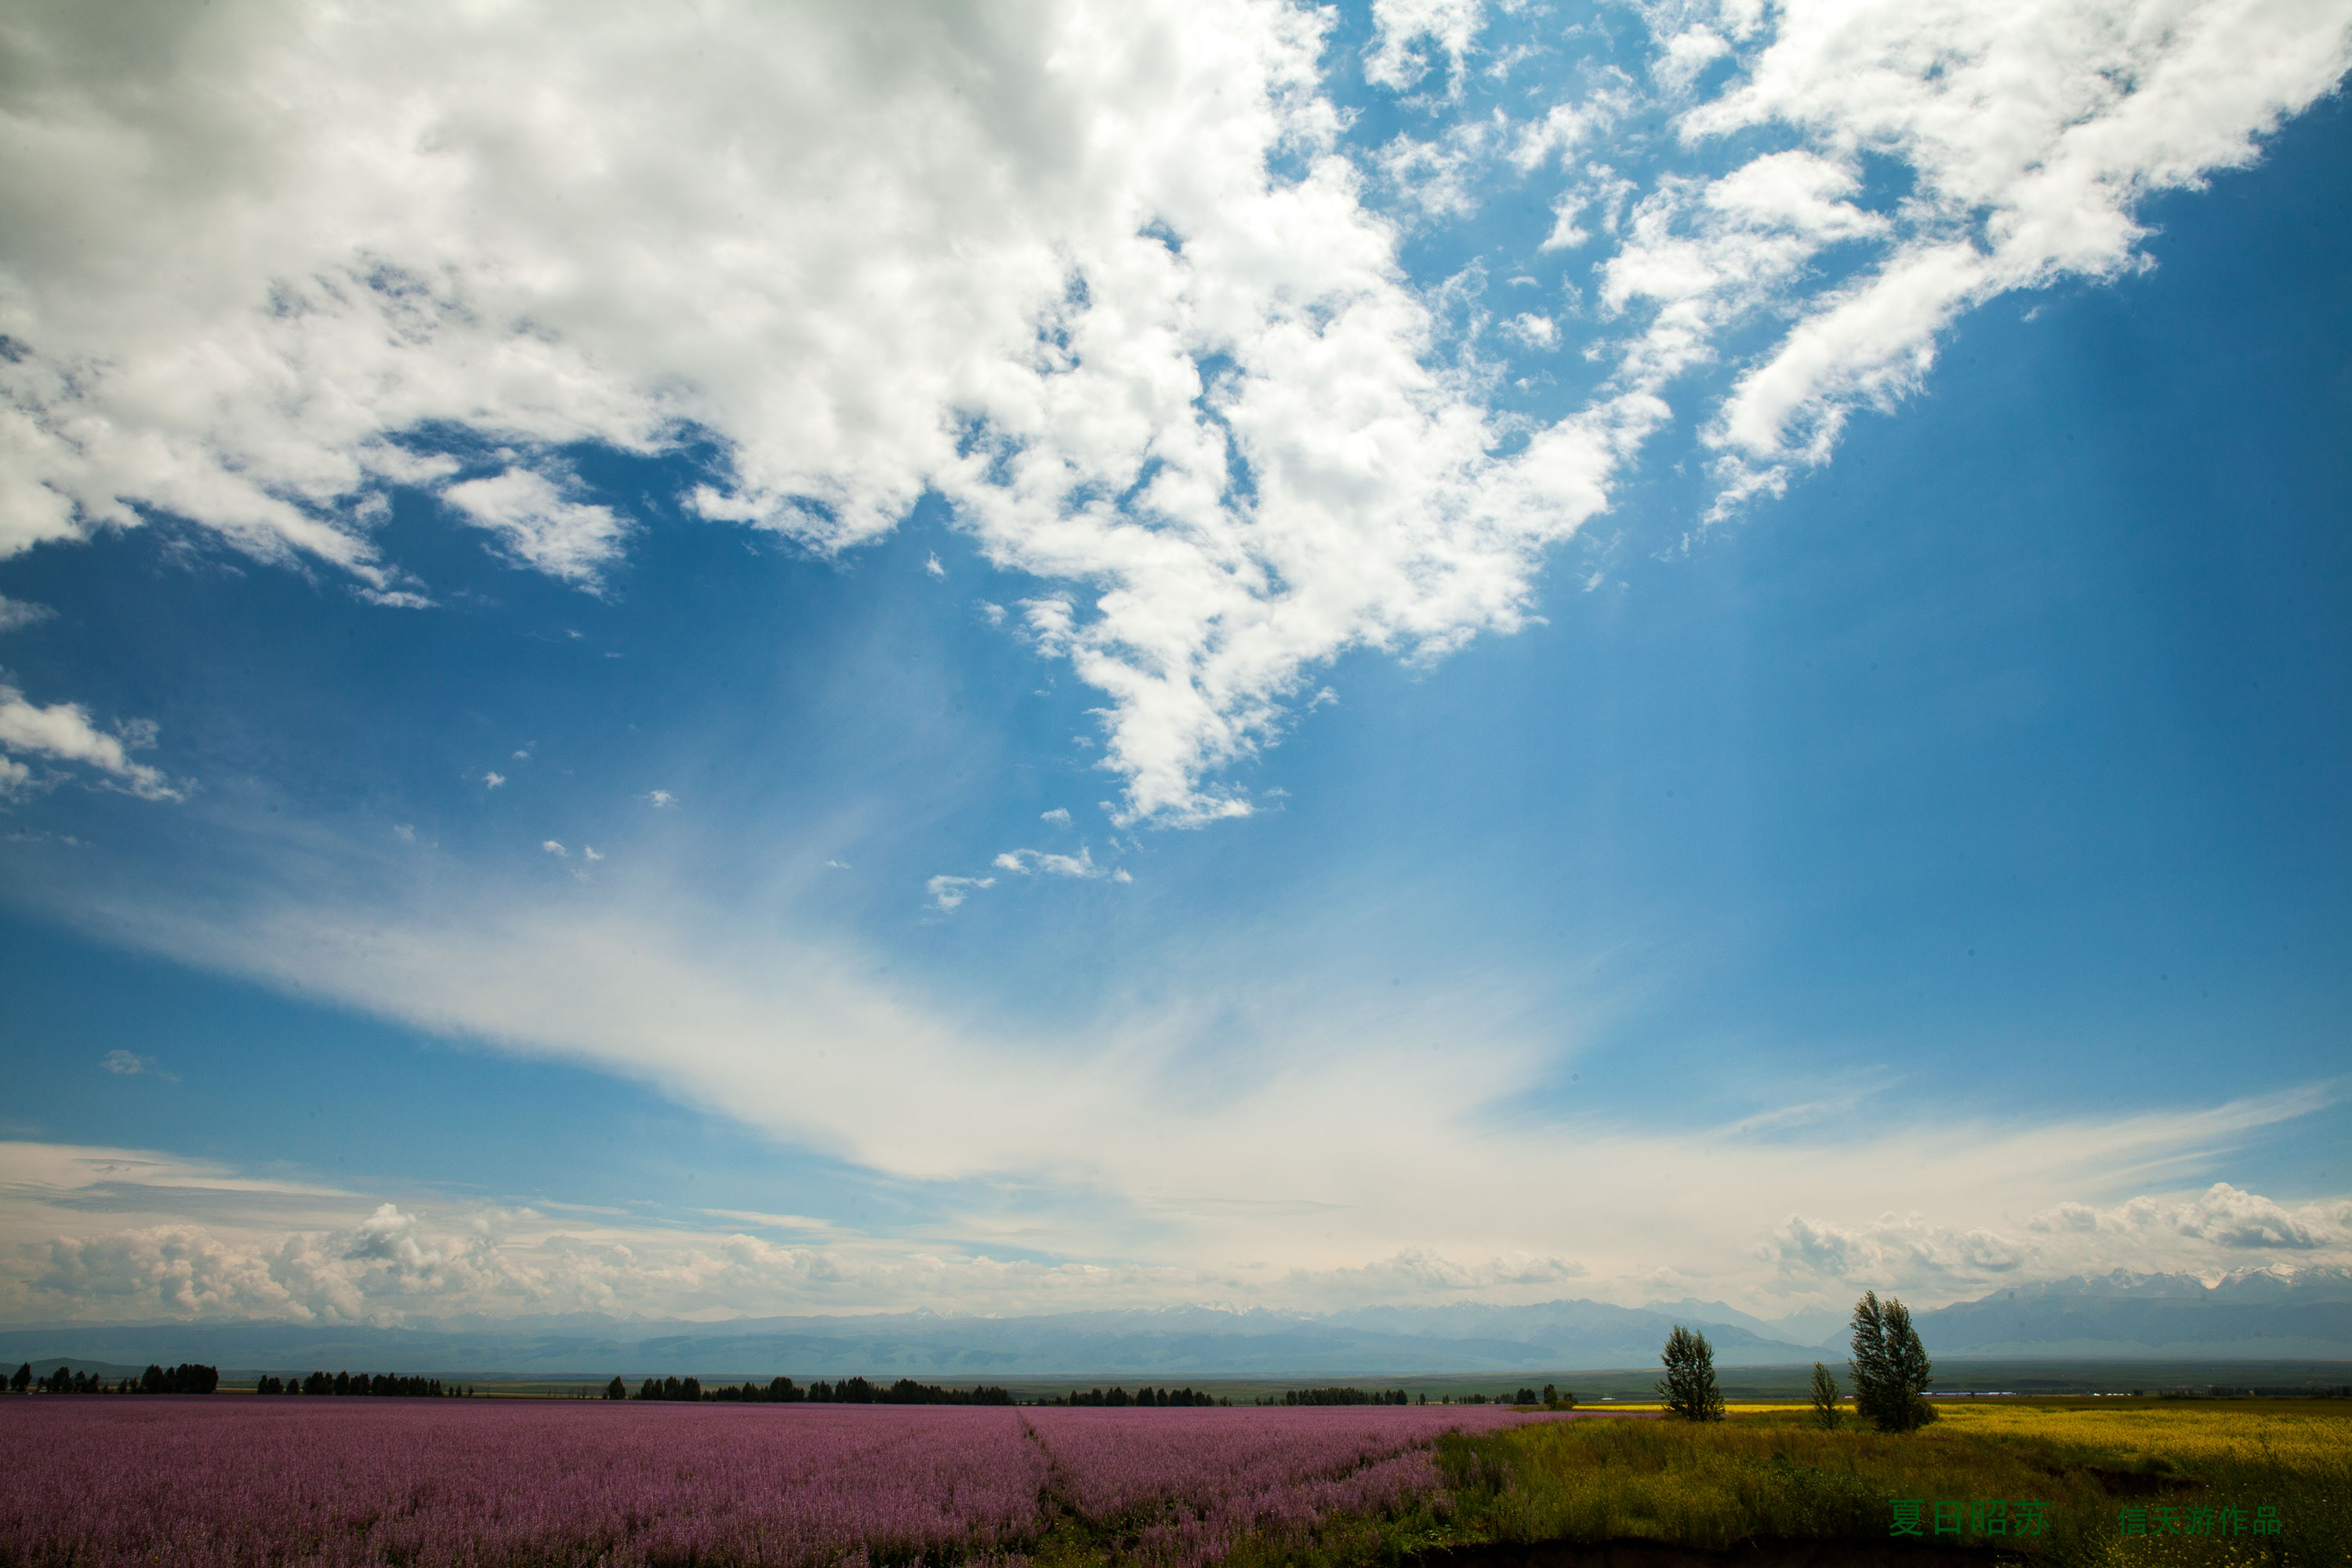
(1027, 657)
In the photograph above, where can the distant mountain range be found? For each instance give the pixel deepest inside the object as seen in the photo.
(2256, 1315)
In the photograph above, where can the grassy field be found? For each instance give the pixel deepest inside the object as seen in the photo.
(1770, 1475)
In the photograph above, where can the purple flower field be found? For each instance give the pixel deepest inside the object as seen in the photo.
(241, 1483)
(1190, 1482)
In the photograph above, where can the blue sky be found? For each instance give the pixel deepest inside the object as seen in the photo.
(1017, 660)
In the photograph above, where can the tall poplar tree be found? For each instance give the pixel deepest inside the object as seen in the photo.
(1825, 1398)
(1890, 1367)
(1689, 1388)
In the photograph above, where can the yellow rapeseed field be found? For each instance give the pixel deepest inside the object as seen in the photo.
(2311, 1436)
(2293, 1456)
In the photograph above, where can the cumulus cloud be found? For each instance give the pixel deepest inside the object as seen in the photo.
(1059, 817)
(1404, 32)
(347, 1258)
(1172, 355)
(2222, 1215)
(1678, 63)
(1904, 1249)
(2208, 1233)
(661, 800)
(553, 847)
(574, 267)
(1531, 331)
(63, 733)
(1565, 130)
(493, 779)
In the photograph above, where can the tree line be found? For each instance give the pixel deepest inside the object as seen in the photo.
(1115, 1397)
(1889, 1367)
(784, 1391)
(377, 1384)
(185, 1378)
(1342, 1396)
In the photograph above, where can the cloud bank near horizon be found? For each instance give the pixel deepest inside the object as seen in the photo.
(1120, 285)
(105, 1235)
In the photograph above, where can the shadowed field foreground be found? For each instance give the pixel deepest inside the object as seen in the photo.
(1773, 1489)
(247, 1484)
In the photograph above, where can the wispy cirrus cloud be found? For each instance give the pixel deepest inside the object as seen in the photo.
(1179, 1144)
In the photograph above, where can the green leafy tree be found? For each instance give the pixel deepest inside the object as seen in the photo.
(1890, 1367)
(1689, 1388)
(616, 1389)
(23, 1378)
(1825, 1398)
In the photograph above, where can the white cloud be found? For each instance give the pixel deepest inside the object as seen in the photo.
(661, 800)
(1081, 865)
(130, 1064)
(63, 733)
(2209, 1233)
(405, 831)
(931, 564)
(1531, 331)
(1059, 816)
(492, 780)
(129, 1236)
(947, 892)
(539, 527)
(397, 241)
(571, 266)
(2222, 1215)
(1176, 1112)
(1403, 31)
(16, 614)
(1677, 65)
(96, 1235)
(552, 847)
(1566, 129)
(2031, 131)
(1440, 177)
(588, 852)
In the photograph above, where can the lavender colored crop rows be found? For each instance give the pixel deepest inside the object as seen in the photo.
(1189, 1483)
(240, 1483)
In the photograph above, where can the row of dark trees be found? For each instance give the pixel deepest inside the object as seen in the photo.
(784, 1391)
(1889, 1366)
(1342, 1396)
(379, 1385)
(185, 1378)
(1147, 1398)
